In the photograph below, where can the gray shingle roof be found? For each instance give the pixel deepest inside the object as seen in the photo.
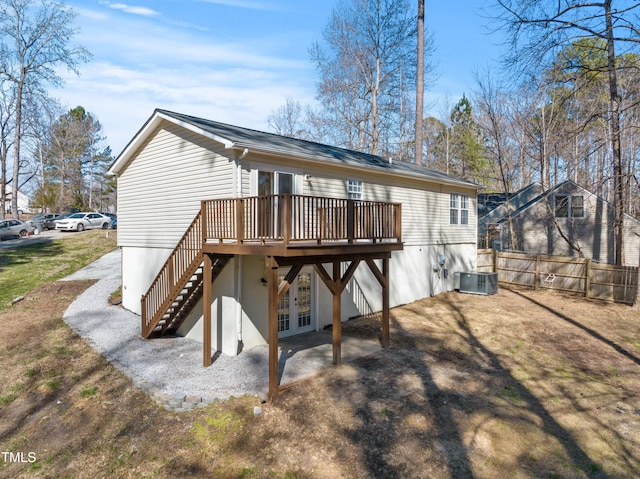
(272, 143)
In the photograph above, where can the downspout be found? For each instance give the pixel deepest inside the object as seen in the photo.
(239, 262)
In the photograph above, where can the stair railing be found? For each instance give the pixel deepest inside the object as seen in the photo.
(179, 267)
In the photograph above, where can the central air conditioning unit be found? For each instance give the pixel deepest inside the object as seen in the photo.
(478, 283)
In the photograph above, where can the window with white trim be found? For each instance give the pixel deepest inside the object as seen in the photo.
(458, 209)
(354, 189)
(568, 206)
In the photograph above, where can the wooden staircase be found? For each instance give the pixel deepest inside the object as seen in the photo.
(178, 286)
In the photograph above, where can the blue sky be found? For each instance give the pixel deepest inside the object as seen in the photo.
(234, 61)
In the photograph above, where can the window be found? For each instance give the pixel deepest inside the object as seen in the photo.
(453, 209)
(458, 209)
(569, 206)
(464, 210)
(354, 189)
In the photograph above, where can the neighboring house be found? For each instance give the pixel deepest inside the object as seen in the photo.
(277, 202)
(551, 222)
(23, 201)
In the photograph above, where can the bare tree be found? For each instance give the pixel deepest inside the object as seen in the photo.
(539, 29)
(7, 103)
(35, 39)
(286, 119)
(367, 66)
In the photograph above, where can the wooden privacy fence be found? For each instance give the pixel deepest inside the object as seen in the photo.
(574, 275)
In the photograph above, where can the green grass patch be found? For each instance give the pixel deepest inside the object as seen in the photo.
(7, 398)
(88, 391)
(116, 294)
(53, 384)
(26, 267)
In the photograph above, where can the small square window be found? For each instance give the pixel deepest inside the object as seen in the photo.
(354, 189)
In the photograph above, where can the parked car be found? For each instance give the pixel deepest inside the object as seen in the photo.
(43, 221)
(50, 224)
(114, 220)
(15, 228)
(83, 221)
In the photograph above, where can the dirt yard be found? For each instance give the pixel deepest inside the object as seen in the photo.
(521, 384)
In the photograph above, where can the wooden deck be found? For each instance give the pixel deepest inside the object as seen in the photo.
(288, 230)
(296, 225)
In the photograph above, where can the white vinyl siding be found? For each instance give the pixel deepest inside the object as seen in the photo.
(425, 206)
(159, 193)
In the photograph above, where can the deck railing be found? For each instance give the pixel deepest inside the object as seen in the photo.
(175, 272)
(289, 219)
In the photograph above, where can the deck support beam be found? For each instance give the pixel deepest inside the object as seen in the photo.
(207, 278)
(337, 315)
(272, 286)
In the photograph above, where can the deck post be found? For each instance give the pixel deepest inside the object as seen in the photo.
(239, 220)
(351, 220)
(286, 218)
(273, 327)
(385, 303)
(203, 221)
(206, 309)
(337, 315)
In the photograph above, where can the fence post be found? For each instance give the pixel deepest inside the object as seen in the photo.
(587, 279)
(536, 279)
(495, 261)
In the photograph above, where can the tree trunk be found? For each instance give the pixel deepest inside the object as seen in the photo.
(614, 105)
(16, 147)
(374, 110)
(419, 85)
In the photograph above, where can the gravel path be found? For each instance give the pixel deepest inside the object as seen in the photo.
(173, 366)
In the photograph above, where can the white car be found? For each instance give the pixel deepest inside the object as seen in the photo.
(83, 221)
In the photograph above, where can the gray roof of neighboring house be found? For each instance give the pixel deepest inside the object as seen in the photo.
(240, 138)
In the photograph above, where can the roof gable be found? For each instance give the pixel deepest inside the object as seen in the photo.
(565, 186)
(238, 138)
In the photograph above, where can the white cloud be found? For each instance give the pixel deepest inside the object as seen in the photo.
(242, 4)
(132, 9)
(143, 62)
(123, 98)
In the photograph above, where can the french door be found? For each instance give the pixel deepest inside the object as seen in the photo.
(295, 309)
(272, 183)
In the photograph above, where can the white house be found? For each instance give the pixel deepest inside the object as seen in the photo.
(23, 201)
(282, 218)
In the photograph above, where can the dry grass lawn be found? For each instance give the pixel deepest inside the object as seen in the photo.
(521, 384)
